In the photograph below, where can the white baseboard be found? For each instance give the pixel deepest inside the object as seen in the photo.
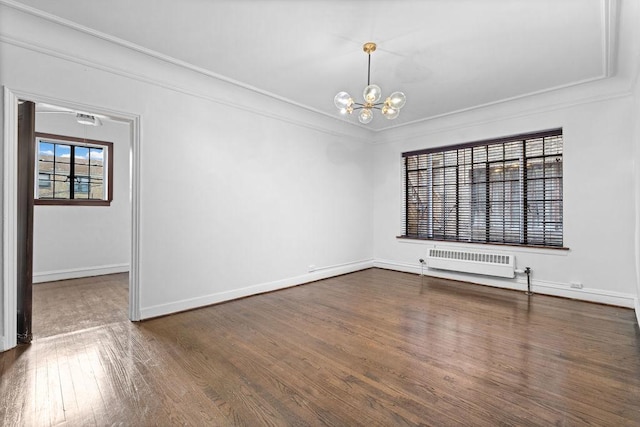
(520, 283)
(191, 303)
(585, 294)
(398, 266)
(638, 310)
(2, 345)
(74, 273)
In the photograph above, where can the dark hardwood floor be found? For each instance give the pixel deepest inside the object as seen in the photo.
(373, 348)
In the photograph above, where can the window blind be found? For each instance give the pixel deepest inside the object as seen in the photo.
(506, 190)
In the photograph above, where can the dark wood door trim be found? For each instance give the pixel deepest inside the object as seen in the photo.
(26, 170)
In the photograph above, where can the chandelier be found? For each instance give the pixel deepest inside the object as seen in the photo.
(390, 108)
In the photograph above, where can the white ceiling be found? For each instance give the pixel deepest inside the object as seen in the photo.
(445, 56)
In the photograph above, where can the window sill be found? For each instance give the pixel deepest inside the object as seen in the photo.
(76, 202)
(500, 246)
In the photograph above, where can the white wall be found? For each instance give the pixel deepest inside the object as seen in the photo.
(243, 201)
(599, 207)
(79, 241)
(240, 193)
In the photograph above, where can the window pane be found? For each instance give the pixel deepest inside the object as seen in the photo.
(97, 190)
(82, 153)
(62, 153)
(97, 156)
(553, 145)
(535, 168)
(450, 158)
(535, 147)
(44, 180)
(479, 154)
(438, 177)
(553, 189)
(464, 156)
(62, 159)
(496, 192)
(553, 166)
(513, 150)
(81, 178)
(450, 175)
(512, 170)
(437, 159)
(495, 152)
(45, 152)
(411, 162)
(81, 188)
(61, 186)
(45, 170)
(45, 186)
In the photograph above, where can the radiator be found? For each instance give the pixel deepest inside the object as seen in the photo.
(502, 265)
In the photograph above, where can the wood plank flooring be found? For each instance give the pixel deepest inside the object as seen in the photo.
(76, 304)
(372, 348)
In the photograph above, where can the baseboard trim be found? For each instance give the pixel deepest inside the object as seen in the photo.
(2, 345)
(319, 273)
(638, 310)
(74, 273)
(543, 287)
(599, 296)
(398, 266)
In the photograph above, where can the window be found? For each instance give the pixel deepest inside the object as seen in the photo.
(501, 191)
(73, 171)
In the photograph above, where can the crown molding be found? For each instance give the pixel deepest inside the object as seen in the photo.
(610, 25)
(169, 86)
(169, 60)
(609, 38)
(540, 109)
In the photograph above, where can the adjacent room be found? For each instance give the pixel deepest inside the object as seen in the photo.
(320, 213)
(80, 252)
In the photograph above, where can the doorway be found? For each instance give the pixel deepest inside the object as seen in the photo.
(10, 193)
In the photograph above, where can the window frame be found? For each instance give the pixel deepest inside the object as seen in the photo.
(77, 142)
(422, 221)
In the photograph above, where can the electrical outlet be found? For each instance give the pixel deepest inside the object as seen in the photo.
(576, 285)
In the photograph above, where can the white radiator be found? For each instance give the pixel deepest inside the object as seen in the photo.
(502, 265)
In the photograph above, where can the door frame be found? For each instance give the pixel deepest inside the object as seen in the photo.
(9, 205)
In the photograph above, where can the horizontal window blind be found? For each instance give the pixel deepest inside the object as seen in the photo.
(507, 190)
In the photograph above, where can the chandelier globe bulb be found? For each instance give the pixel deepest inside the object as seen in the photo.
(343, 100)
(365, 116)
(372, 94)
(396, 100)
(390, 112)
